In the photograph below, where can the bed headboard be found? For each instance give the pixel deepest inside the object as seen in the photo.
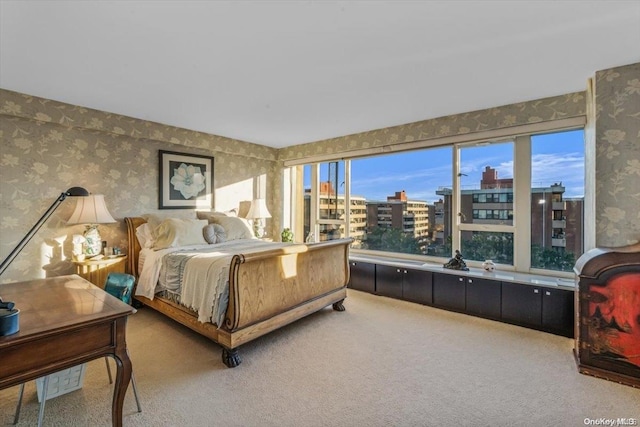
(133, 248)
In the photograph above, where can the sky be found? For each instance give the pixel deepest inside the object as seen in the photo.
(557, 157)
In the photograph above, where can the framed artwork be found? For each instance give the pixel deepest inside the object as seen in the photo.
(186, 181)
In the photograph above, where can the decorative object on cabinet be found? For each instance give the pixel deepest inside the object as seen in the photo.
(607, 343)
(91, 211)
(456, 263)
(258, 212)
(71, 192)
(186, 181)
(488, 265)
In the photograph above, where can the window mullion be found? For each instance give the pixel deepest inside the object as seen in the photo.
(522, 203)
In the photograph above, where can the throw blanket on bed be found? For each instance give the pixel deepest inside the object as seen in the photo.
(199, 274)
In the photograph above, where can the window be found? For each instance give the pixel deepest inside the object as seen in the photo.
(485, 188)
(404, 210)
(494, 204)
(557, 199)
(325, 214)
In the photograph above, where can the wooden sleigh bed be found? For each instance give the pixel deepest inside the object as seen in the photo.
(267, 290)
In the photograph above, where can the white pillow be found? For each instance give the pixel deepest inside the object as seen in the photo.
(209, 215)
(175, 232)
(145, 236)
(214, 233)
(155, 219)
(236, 228)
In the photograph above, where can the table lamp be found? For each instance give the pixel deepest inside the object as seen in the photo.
(91, 211)
(257, 213)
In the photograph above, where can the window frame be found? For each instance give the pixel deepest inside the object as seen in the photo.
(521, 137)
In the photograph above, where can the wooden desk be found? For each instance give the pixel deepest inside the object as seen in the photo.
(65, 321)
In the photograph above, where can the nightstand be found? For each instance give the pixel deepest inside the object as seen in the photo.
(96, 271)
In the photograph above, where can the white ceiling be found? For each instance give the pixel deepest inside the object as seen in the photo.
(280, 73)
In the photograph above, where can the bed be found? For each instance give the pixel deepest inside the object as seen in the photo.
(268, 286)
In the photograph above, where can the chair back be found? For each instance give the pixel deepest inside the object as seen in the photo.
(120, 285)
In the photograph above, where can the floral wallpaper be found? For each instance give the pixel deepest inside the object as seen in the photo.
(47, 147)
(559, 107)
(617, 133)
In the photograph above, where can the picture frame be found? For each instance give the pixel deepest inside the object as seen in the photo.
(186, 181)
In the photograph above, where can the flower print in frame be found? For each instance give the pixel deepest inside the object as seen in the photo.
(186, 181)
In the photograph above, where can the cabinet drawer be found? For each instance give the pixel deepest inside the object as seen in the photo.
(362, 276)
(417, 286)
(449, 291)
(484, 297)
(522, 304)
(389, 280)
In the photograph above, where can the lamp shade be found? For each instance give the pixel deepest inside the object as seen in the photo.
(91, 210)
(258, 210)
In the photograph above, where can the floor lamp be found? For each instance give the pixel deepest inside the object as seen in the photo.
(71, 192)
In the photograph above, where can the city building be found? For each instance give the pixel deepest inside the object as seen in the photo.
(556, 223)
(410, 216)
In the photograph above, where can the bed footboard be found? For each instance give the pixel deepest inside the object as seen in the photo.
(270, 289)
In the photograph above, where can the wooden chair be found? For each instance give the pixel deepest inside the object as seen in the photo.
(120, 285)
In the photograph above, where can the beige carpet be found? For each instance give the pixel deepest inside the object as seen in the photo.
(382, 362)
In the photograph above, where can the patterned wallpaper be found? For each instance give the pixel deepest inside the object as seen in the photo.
(47, 147)
(542, 110)
(617, 132)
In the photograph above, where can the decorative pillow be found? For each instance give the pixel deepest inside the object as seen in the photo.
(214, 233)
(209, 215)
(175, 232)
(145, 236)
(236, 228)
(155, 219)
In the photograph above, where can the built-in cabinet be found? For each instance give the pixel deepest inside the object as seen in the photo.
(389, 281)
(484, 297)
(522, 304)
(404, 283)
(549, 309)
(363, 276)
(417, 286)
(449, 291)
(558, 311)
(538, 307)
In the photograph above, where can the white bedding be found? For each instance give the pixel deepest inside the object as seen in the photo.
(204, 286)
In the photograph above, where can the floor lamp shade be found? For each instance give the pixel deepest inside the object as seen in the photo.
(91, 211)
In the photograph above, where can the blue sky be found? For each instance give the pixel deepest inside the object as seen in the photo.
(557, 157)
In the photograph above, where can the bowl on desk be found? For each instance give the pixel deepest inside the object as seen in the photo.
(9, 321)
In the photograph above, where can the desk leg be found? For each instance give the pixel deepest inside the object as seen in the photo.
(123, 374)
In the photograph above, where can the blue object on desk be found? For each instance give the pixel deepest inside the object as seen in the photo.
(120, 285)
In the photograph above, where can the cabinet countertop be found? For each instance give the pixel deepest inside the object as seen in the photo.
(506, 276)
